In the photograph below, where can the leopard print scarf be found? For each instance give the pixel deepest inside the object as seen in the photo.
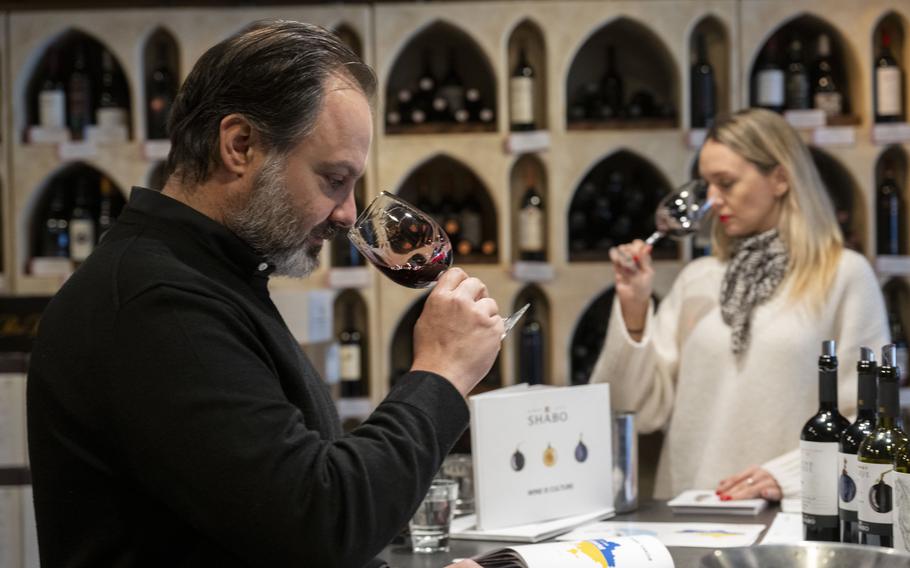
(757, 267)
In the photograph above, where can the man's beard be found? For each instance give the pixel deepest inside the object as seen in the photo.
(268, 222)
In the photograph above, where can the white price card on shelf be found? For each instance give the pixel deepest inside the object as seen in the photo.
(73, 151)
(805, 119)
(156, 150)
(359, 407)
(350, 277)
(892, 264)
(532, 271)
(891, 133)
(307, 313)
(48, 135)
(527, 142)
(114, 134)
(695, 138)
(834, 136)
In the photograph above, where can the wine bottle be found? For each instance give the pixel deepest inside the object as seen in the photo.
(56, 237)
(894, 292)
(79, 96)
(52, 97)
(350, 353)
(797, 79)
(902, 499)
(769, 80)
(451, 89)
(611, 88)
(876, 459)
(471, 225)
(81, 225)
(106, 216)
(818, 446)
(422, 105)
(530, 349)
(703, 104)
(521, 91)
(891, 214)
(160, 91)
(531, 225)
(850, 440)
(889, 100)
(826, 95)
(111, 106)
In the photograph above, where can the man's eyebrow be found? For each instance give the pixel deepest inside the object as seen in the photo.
(350, 168)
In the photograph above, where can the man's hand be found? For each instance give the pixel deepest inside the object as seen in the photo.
(751, 483)
(459, 333)
(466, 563)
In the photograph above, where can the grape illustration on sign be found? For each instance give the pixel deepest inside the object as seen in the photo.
(518, 460)
(581, 451)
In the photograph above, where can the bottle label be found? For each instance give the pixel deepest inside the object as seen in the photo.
(819, 477)
(530, 229)
(349, 367)
(770, 88)
(111, 117)
(52, 109)
(831, 103)
(847, 478)
(888, 93)
(82, 238)
(902, 511)
(875, 491)
(521, 106)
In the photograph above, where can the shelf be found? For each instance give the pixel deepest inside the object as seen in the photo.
(438, 129)
(624, 124)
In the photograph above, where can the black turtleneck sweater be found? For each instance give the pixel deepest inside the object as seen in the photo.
(174, 421)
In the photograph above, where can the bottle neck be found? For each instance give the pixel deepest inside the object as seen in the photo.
(827, 388)
(888, 398)
(866, 388)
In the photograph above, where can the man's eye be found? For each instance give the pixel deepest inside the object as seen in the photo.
(336, 182)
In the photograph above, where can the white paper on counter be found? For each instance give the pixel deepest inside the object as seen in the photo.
(692, 535)
(705, 501)
(787, 528)
(625, 552)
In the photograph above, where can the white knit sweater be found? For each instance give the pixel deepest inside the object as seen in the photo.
(722, 415)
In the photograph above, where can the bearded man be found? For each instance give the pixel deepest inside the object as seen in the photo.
(173, 420)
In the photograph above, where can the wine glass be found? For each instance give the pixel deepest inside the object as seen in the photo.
(681, 211)
(406, 244)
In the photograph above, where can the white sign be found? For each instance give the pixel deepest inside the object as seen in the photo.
(541, 453)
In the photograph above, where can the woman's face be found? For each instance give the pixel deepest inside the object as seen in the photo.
(745, 201)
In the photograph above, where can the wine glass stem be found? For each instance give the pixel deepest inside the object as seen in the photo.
(655, 236)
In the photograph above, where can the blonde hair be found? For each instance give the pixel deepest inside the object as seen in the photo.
(807, 223)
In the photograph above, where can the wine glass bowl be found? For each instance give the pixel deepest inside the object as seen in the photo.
(403, 242)
(406, 245)
(681, 211)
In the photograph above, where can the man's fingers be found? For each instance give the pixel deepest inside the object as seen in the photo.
(450, 279)
(472, 288)
(488, 307)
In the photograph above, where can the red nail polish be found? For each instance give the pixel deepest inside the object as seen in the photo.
(725, 497)
(717, 493)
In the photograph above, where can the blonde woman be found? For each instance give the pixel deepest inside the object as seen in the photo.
(727, 364)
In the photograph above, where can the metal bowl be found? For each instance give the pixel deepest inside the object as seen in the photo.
(806, 555)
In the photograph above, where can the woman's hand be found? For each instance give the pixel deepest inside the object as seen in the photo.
(634, 277)
(751, 483)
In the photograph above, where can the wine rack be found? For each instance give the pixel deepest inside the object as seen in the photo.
(564, 43)
(638, 88)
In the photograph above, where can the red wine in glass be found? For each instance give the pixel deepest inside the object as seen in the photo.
(419, 274)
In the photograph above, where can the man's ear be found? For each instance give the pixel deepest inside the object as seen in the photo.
(235, 144)
(781, 184)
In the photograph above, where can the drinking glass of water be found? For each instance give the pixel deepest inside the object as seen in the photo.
(430, 524)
